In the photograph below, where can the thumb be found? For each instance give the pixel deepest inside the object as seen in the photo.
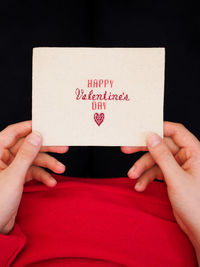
(164, 158)
(26, 154)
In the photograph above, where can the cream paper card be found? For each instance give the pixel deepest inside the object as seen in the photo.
(97, 96)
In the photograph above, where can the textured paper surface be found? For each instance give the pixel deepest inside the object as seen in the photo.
(101, 75)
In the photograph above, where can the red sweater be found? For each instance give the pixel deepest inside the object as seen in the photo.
(95, 222)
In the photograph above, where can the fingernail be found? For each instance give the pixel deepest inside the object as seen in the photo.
(131, 170)
(128, 149)
(53, 181)
(138, 186)
(132, 174)
(60, 165)
(34, 138)
(154, 140)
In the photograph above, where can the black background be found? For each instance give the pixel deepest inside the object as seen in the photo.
(174, 25)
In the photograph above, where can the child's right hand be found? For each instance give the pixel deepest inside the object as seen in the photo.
(21, 159)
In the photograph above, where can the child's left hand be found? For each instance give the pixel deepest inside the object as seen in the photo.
(145, 169)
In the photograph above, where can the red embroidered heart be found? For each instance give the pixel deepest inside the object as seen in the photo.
(99, 118)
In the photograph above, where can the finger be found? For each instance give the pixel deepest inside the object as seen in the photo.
(43, 159)
(40, 175)
(3, 165)
(10, 135)
(16, 147)
(146, 161)
(133, 149)
(5, 155)
(172, 146)
(180, 135)
(182, 156)
(148, 177)
(189, 161)
(142, 164)
(55, 149)
(164, 158)
(47, 161)
(25, 156)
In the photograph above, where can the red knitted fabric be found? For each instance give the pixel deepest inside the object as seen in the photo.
(95, 222)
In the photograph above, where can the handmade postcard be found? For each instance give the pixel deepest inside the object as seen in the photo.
(86, 96)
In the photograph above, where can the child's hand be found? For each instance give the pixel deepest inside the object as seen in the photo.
(181, 173)
(145, 168)
(42, 159)
(21, 155)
